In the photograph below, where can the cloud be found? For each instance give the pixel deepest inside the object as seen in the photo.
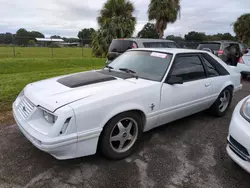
(66, 18)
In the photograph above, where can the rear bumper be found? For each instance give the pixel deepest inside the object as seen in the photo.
(243, 69)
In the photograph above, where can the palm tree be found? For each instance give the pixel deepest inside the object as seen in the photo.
(242, 28)
(117, 16)
(116, 20)
(164, 12)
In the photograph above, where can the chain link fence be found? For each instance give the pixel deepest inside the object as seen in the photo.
(25, 47)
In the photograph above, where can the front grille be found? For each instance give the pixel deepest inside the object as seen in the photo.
(25, 107)
(240, 150)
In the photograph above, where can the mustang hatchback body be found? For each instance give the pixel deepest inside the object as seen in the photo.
(109, 109)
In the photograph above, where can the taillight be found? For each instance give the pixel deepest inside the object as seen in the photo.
(241, 61)
(134, 45)
(220, 52)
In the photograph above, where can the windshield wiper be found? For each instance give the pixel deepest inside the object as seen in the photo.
(109, 67)
(129, 71)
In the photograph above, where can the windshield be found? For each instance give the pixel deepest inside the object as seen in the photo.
(212, 46)
(146, 64)
(121, 46)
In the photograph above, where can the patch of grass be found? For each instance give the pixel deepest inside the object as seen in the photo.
(44, 52)
(16, 73)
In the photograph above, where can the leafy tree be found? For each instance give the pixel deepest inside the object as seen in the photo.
(220, 36)
(164, 12)
(242, 28)
(99, 44)
(116, 20)
(194, 36)
(148, 31)
(32, 43)
(8, 38)
(86, 33)
(174, 38)
(55, 37)
(71, 40)
(36, 34)
(2, 38)
(22, 37)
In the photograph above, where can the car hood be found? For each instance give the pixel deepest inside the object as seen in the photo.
(54, 93)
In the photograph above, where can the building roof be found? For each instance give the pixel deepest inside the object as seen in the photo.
(49, 40)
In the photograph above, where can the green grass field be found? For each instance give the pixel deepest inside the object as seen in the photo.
(37, 52)
(15, 73)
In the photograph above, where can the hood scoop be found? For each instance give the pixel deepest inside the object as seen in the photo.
(84, 78)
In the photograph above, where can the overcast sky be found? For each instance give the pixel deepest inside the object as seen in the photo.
(67, 17)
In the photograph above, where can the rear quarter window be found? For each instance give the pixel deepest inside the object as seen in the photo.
(218, 67)
(160, 45)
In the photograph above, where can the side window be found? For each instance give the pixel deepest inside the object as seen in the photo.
(153, 45)
(189, 68)
(171, 45)
(210, 69)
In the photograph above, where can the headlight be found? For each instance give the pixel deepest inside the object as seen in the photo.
(50, 118)
(21, 94)
(245, 110)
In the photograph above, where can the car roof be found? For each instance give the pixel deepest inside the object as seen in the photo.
(145, 39)
(169, 50)
(219, 41)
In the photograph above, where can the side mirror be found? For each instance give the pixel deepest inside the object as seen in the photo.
(174, 80)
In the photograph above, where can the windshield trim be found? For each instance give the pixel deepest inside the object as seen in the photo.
(158, 51)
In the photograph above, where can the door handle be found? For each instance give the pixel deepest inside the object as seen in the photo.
(207, 84)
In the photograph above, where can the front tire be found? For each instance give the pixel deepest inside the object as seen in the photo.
(222, 104)
(121, 135)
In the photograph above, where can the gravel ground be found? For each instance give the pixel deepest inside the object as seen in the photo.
(186, 153)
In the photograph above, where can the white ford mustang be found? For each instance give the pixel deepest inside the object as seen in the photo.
(73, 115)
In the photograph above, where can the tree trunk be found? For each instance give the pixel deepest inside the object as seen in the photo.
(160, 34)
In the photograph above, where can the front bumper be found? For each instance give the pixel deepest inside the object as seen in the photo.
(238, 147)
(63, 147)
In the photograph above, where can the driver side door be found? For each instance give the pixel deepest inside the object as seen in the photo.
(192, 96)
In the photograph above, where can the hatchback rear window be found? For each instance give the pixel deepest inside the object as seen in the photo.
(212, 46)
(121, 46)
(160, 45)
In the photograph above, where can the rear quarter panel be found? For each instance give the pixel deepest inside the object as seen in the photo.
(234, 78)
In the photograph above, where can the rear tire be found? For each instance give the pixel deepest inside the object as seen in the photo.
(120, 136)
(222, 104)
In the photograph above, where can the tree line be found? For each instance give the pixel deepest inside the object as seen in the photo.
(23, 37)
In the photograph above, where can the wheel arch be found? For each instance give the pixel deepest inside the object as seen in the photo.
(115, 113)
(226, 85)
(139, 111)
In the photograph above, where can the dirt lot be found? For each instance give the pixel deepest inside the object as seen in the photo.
(187, 153)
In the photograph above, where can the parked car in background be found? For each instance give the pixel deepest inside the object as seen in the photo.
(243, 65)
(238, 147)
(228, 51)
(119, 46)
(243, 48)
(71, 116)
